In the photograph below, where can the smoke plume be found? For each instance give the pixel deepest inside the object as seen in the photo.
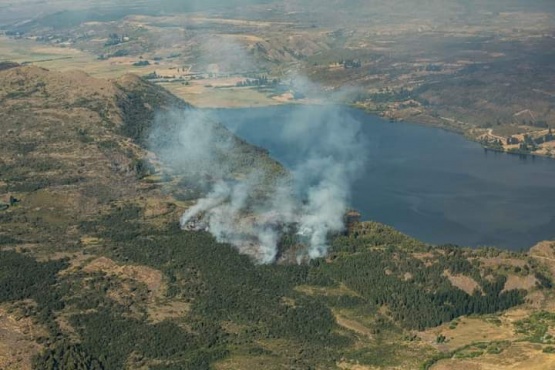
(250, 202)
(247, 199)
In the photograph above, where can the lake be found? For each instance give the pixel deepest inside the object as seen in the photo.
(431, 184)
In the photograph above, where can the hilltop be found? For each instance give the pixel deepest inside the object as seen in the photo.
(95, 270)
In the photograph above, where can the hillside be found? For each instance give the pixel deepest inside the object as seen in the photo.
(95, 272)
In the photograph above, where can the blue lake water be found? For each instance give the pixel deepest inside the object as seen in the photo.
(431, 184)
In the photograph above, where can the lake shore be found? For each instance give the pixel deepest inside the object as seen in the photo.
(205, 95)
(222, 93)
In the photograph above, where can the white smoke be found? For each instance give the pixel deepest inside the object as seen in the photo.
(248, 203)
(224, 54)
(215, 199)
(333, 152)
(251, 208)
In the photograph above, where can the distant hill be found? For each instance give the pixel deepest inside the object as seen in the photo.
(53, 18)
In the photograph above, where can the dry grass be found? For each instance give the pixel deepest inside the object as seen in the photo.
(327, 291)
(544, 252)
(66, 59)
(18, 344)
(250, 362)
(519, 356)
(470, 330)
(159, 308)
(53, 207)
(198, 94)
(68, 86)
(235, 22)
(500, 261)
(350, 366)
(520, 282)
(162, 207)
(279, 357)
(51, 57)
(152, 278)
(353, 325)
(167, 310)
(76, 259)
(462, 282)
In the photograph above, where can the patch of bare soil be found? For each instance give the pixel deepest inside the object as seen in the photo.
(464, 283)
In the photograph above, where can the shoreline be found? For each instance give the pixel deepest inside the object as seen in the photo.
(464, 132)
(202, 94)
(464, 242)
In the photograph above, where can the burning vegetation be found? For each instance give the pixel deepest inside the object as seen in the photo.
(292, 242)
(252, 202)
